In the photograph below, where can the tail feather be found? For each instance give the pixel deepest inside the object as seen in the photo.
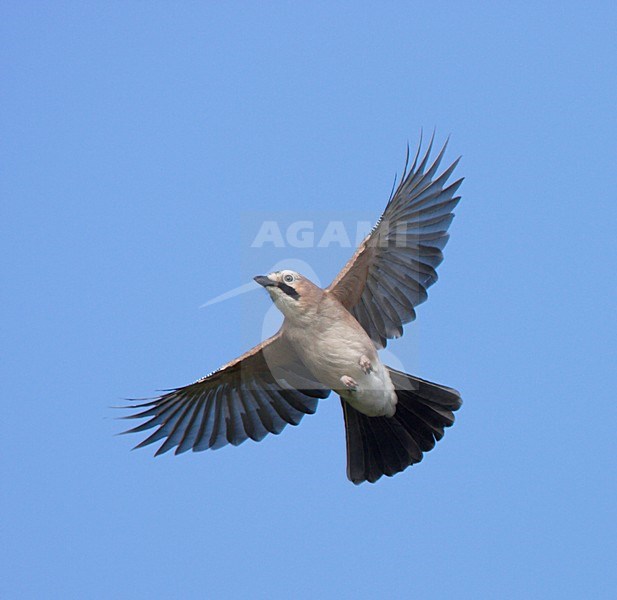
(379, 446)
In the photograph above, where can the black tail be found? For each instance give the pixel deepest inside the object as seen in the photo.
(379, 446)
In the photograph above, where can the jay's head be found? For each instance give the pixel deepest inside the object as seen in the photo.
(293, 294)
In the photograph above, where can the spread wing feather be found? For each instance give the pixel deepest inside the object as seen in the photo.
(389, 274)
(259, 393)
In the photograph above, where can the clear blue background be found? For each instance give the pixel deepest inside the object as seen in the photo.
(135, 140)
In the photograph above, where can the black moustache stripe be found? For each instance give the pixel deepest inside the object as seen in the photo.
(288, 290)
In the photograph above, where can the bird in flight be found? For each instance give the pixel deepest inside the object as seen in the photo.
(329, 341)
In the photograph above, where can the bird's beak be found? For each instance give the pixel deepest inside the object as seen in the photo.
(265, 280)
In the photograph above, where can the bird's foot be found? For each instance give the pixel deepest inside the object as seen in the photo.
(349, 383)
(365, 364)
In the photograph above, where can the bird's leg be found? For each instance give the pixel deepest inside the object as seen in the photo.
(349, 383)
(365, 364)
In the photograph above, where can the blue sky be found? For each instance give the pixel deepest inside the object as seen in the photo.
(142, 146)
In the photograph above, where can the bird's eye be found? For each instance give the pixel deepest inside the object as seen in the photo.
(288, 278)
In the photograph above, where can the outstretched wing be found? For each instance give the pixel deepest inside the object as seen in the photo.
(390, 272)
(258, 393)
